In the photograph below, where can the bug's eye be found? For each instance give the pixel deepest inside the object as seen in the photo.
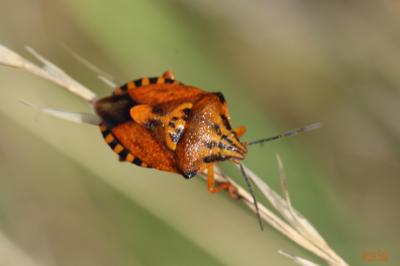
(190, 174)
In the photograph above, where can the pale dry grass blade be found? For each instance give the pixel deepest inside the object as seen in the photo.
(271, 218)
(49, 72)
(10, 58)
(56, 73)
(76, 117)
(297, 259)
(296, 220)
(101, 74)
(299, 222)
(107, 81)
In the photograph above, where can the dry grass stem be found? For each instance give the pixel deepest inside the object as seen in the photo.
(293, 225)
(107, 81)
(311, 239)
(48, 71)
(297, 259)
(76, 117)
(101, 74)
(295, 233)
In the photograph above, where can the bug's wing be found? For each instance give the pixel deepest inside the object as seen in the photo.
(159, 94)
(136, 144)
(155, 91)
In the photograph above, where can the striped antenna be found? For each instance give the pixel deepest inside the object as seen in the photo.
(289, 133)
(248, 182)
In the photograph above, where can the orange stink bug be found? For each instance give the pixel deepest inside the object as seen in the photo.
(164, 124)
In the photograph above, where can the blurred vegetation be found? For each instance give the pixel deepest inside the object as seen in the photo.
(66, 200)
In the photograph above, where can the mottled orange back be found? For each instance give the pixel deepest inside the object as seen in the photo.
(164, 124)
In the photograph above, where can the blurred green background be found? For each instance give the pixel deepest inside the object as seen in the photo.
(66, 200)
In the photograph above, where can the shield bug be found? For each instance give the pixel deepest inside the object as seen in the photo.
(164, 124)
(161, 123)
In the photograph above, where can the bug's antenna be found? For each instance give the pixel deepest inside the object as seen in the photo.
(289, 133)
(246, 178)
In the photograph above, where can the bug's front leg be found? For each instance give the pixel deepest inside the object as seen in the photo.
(215, 188)
(240, 131)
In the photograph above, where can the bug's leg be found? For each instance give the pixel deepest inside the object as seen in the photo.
(211, 181)
(240, 131)
(213, 188)
(169, 74)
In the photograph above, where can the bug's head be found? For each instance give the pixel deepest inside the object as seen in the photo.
(209, 137)
(224, 144)
(222, 141)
